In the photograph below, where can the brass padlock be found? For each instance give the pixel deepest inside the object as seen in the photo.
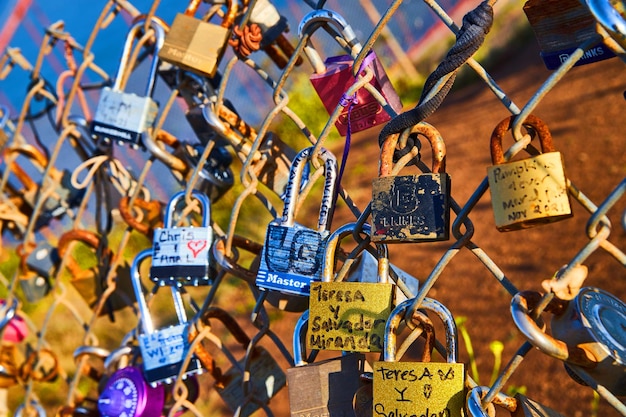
(121, 116)
(584, 334)
(263, 377)
(349, 316)
(527, 192)
(197, 45)
(519, 405)
(334, 76)
(560, 27)
(411, 208)
(416, 388)
(324, 387)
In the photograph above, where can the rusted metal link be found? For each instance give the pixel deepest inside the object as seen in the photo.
(229, 262)
(153, 216)
(531, 122)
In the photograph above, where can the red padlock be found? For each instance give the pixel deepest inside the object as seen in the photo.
(14, 328)
(333, 77)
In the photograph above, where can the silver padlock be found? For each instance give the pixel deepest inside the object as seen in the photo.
(292, 254)
(162, 350)
(181, 255)
(587, 334)
(123, 117)
(518, 406)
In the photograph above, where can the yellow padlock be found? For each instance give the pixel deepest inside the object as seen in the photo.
(527, 192)
(197, 45)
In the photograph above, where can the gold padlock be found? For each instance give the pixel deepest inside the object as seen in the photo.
(197, 45)
(527, 192)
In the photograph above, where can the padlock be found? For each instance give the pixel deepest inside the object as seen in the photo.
(28, 409)
(197, 45)
(264, 376)
(324, 387)
(65, 194)
(128, 394)
(273, 27)
(37, 267)
(519, 405)
(416, 388)
(181, 255)
(411, 208)
(91, 283)
(349, 316)
(291, 258)
(585, 334)
(123, 117)
(365, 269)
(161, 349)
(561, 26)
(333, 77)
(216, 177)
(610, 15)
(527, 192)
(86, 404)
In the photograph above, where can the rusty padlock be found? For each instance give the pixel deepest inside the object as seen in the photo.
(264, 376)
(334, 76)
(349, 316)
(585, 334)
(90, 282)
(527, 192)
(411, 208)
(150, 218)
(197, 45)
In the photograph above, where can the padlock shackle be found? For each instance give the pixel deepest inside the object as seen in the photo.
(111, 362)
(610, 18)
(9, 311)
(201, 197)
(474, 401)
(159, 33)
(292, 189)
(229, 322)
(532, 122)
(41, 412)
(135, 277)
(299, 339)
(153, 207)
(316, 19)
(232, 8)
(331, 247)
(87, 237)
(430, 304)
(229, 263)
(436, 143)
(521, 306)
(30, 152)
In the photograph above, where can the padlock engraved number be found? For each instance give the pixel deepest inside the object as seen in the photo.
(423, 389)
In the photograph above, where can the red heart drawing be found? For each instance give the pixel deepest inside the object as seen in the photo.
(196, 246)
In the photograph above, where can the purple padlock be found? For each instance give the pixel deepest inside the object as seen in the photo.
(333, 77)
(127, 393)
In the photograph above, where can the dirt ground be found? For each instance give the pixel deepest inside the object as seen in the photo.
(584, 112)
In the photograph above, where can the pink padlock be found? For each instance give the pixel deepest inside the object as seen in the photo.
(13, 326)
(334, 76)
